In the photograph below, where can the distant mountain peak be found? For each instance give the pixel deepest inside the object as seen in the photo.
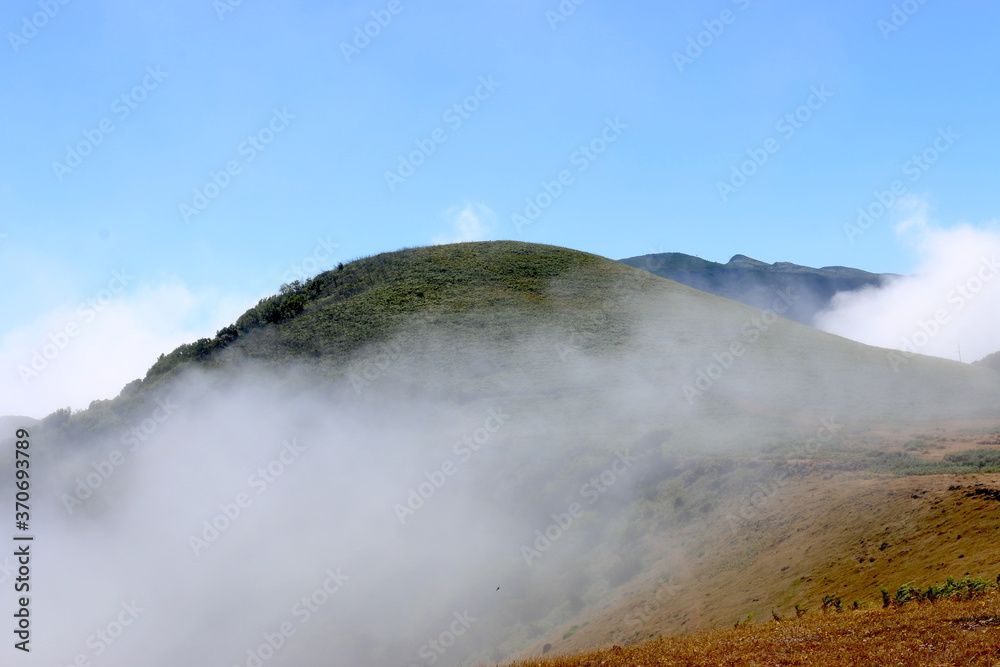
(748, 262)
(755, 282)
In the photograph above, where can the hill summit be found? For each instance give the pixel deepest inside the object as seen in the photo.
(507, 316)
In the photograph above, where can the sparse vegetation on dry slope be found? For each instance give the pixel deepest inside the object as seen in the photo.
(964, 632)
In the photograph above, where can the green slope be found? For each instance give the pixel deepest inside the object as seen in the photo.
(513, 318)
(479, 290)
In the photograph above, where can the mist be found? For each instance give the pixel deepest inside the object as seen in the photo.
(437, 502)
(268, 517)
(98, 341)
(949, 307)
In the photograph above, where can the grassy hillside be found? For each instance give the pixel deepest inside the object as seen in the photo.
(512, 304)
(9, 424)
(766, 453)
(779, 539)
(478, 287)
(948, 632)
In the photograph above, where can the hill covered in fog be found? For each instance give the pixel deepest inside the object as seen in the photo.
(455, 452)
(502, 317)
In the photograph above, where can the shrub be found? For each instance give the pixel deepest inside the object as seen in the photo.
(968, 588)
(905, 593)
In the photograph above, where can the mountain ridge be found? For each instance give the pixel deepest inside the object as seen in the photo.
(754, 282)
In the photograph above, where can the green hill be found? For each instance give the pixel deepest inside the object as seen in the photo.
(478, 291)
(653, 409)
(437, 305)
(510, 318)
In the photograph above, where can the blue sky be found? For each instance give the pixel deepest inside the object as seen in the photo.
(211, 150)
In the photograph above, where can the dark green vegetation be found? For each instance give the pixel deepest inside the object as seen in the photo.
(756, 283)
(967, 588)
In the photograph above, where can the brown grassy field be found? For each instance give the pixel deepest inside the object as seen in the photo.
(823, 532)
(844, 536)
(949, 632)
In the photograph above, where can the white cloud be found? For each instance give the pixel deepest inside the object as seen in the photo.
(473, 222)
(952, 302)
(77, 353)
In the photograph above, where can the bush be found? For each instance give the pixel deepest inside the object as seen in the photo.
(980, 458)
(905, 593)
(274, 309)
(968, 588)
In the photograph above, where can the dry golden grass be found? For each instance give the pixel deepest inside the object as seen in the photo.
(916, 635)
(819, 534)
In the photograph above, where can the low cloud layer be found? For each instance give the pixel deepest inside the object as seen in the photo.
(471, 222)
(406, 514)
(89, 349)
(949, 306)
(452, 498)
(267, 519)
